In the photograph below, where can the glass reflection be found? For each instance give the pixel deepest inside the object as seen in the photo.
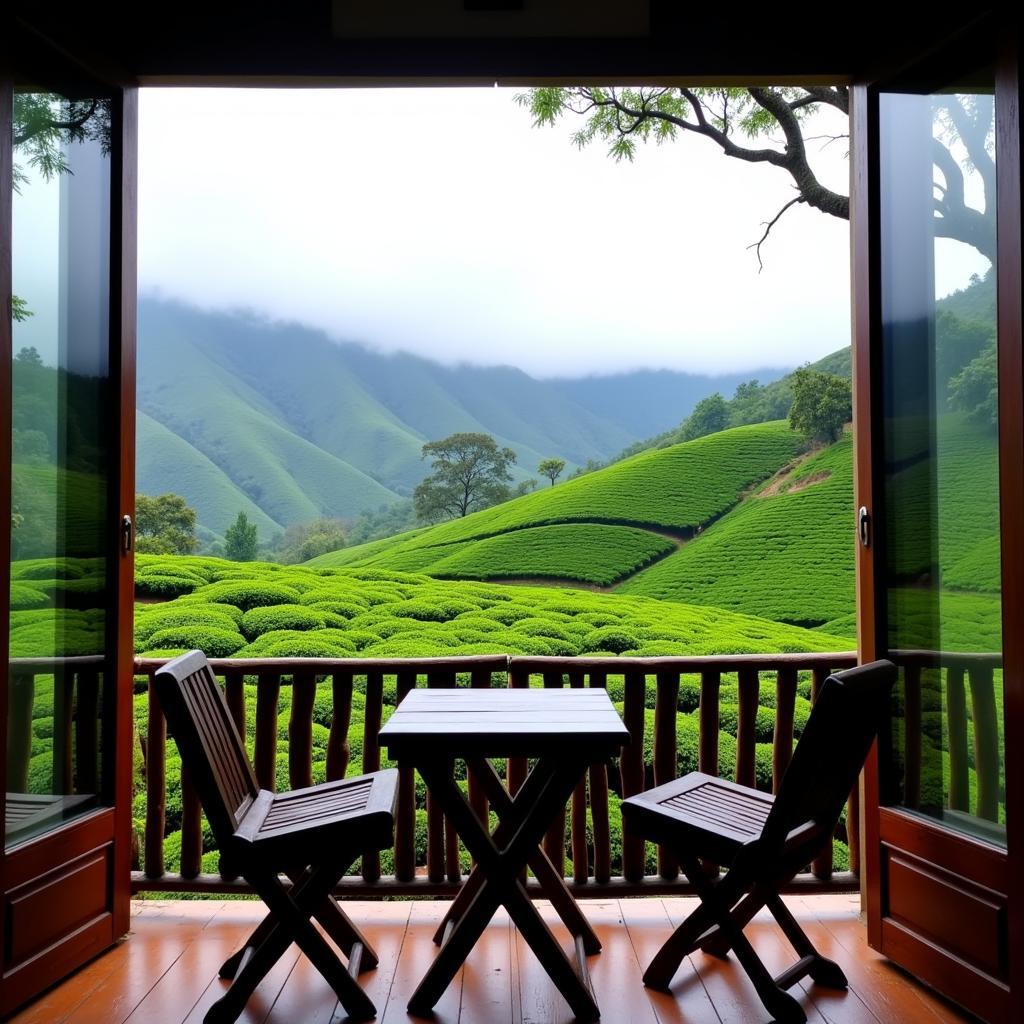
(61, 445)
(941, 488)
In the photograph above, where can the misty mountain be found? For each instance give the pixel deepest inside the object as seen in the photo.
(286, 424)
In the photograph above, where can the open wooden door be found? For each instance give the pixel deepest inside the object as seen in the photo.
(938, 393)
(67, 279)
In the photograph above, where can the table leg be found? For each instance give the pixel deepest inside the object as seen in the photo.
(551, 882)
(501, 885)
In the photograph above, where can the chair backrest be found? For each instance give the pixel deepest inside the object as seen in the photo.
(835, 743)
(212, 752)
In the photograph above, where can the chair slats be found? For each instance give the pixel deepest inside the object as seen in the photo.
(312, 835)
(764, 840)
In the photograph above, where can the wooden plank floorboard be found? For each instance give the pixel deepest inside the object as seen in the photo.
(648, 926)
(166, 971)
(487, 977)
(889, 992)
(417, 954)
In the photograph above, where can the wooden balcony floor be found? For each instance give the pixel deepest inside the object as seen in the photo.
(165, 971)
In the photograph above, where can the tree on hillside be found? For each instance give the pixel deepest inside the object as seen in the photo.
(470, 472)
(164, 525)
(303, 541)
(766, 125)
(240, 542)
(551, 468)
(709, 415)
(974, 389)
(822, 403)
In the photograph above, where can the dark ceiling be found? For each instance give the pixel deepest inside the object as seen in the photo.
(488, 39)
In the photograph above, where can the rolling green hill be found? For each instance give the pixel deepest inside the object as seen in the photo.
(677, 490)
(702, 523)
(281, 422)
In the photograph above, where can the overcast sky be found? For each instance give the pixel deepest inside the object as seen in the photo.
(441, 222)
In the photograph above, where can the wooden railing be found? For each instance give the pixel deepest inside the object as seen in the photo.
(647, 685)
(74, 765)
(588, 851)
(967, 677)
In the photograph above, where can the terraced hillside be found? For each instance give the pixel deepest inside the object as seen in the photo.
(740, 520)
(674, 491)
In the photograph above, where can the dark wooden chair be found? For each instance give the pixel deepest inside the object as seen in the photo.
(310, 835)
(763, 840)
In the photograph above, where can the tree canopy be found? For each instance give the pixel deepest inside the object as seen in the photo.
(240, 543)
(551, 468)
(767, 125)
(164, 525)
(709, 415)
(470, 472)
(822, 403)
(303, 541)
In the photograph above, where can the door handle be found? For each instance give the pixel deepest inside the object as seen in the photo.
(127, 532)
(864, 526)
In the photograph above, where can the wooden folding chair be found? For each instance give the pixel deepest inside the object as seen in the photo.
(762, 840)
(310, 835)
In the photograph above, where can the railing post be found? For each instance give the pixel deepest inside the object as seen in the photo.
(405, 815)
(578, 819)
(300, 730)
(785, 706)
(631, 767)
(371, 752)
(87, 709)
(710, 687)
(63, 704)
(341, 717)
(666, 706)
(986, 741)
(20, 700)
(268, 690)
(554, 838)
(191, 828)
(956, 718)
(821, 867)
(480, 679)
(515, 769)
(599, 805)
(912, 735)
(156, 787)
(746, 753)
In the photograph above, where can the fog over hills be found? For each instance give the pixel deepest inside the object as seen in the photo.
(281, 421)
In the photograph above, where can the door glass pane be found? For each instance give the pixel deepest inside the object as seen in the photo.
(940, 457)
(61, 410)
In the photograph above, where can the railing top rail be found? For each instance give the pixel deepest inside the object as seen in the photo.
(538, 664)
(323, 666)
(688, 663)
(41, 665)
(947, 659)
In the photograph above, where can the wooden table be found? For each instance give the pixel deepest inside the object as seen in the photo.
(566, 730)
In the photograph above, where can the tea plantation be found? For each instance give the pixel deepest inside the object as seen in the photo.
(677, 489)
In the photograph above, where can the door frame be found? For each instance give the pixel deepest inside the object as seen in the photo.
(987, 866)
(106, 831)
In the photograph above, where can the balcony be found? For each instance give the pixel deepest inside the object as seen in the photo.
(166, 970)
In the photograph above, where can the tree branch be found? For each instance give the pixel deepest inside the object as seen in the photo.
(768, 225)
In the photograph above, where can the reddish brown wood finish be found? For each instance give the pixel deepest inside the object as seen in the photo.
(371, 754)
(864, 298)
(554, 838)
(631, 768)
(746, 736)
(341, 716)
(123, 278)
(666, 703)
(1011, 472)
(785, 703)
(821, 866)
(300, 731)
(156, 786)
(405, 814)
(265, 747)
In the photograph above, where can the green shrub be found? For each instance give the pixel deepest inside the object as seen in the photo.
(150, 620)
(248, 594)
(214, 642)
(262, 620)
(609, 638)
(25, 596)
